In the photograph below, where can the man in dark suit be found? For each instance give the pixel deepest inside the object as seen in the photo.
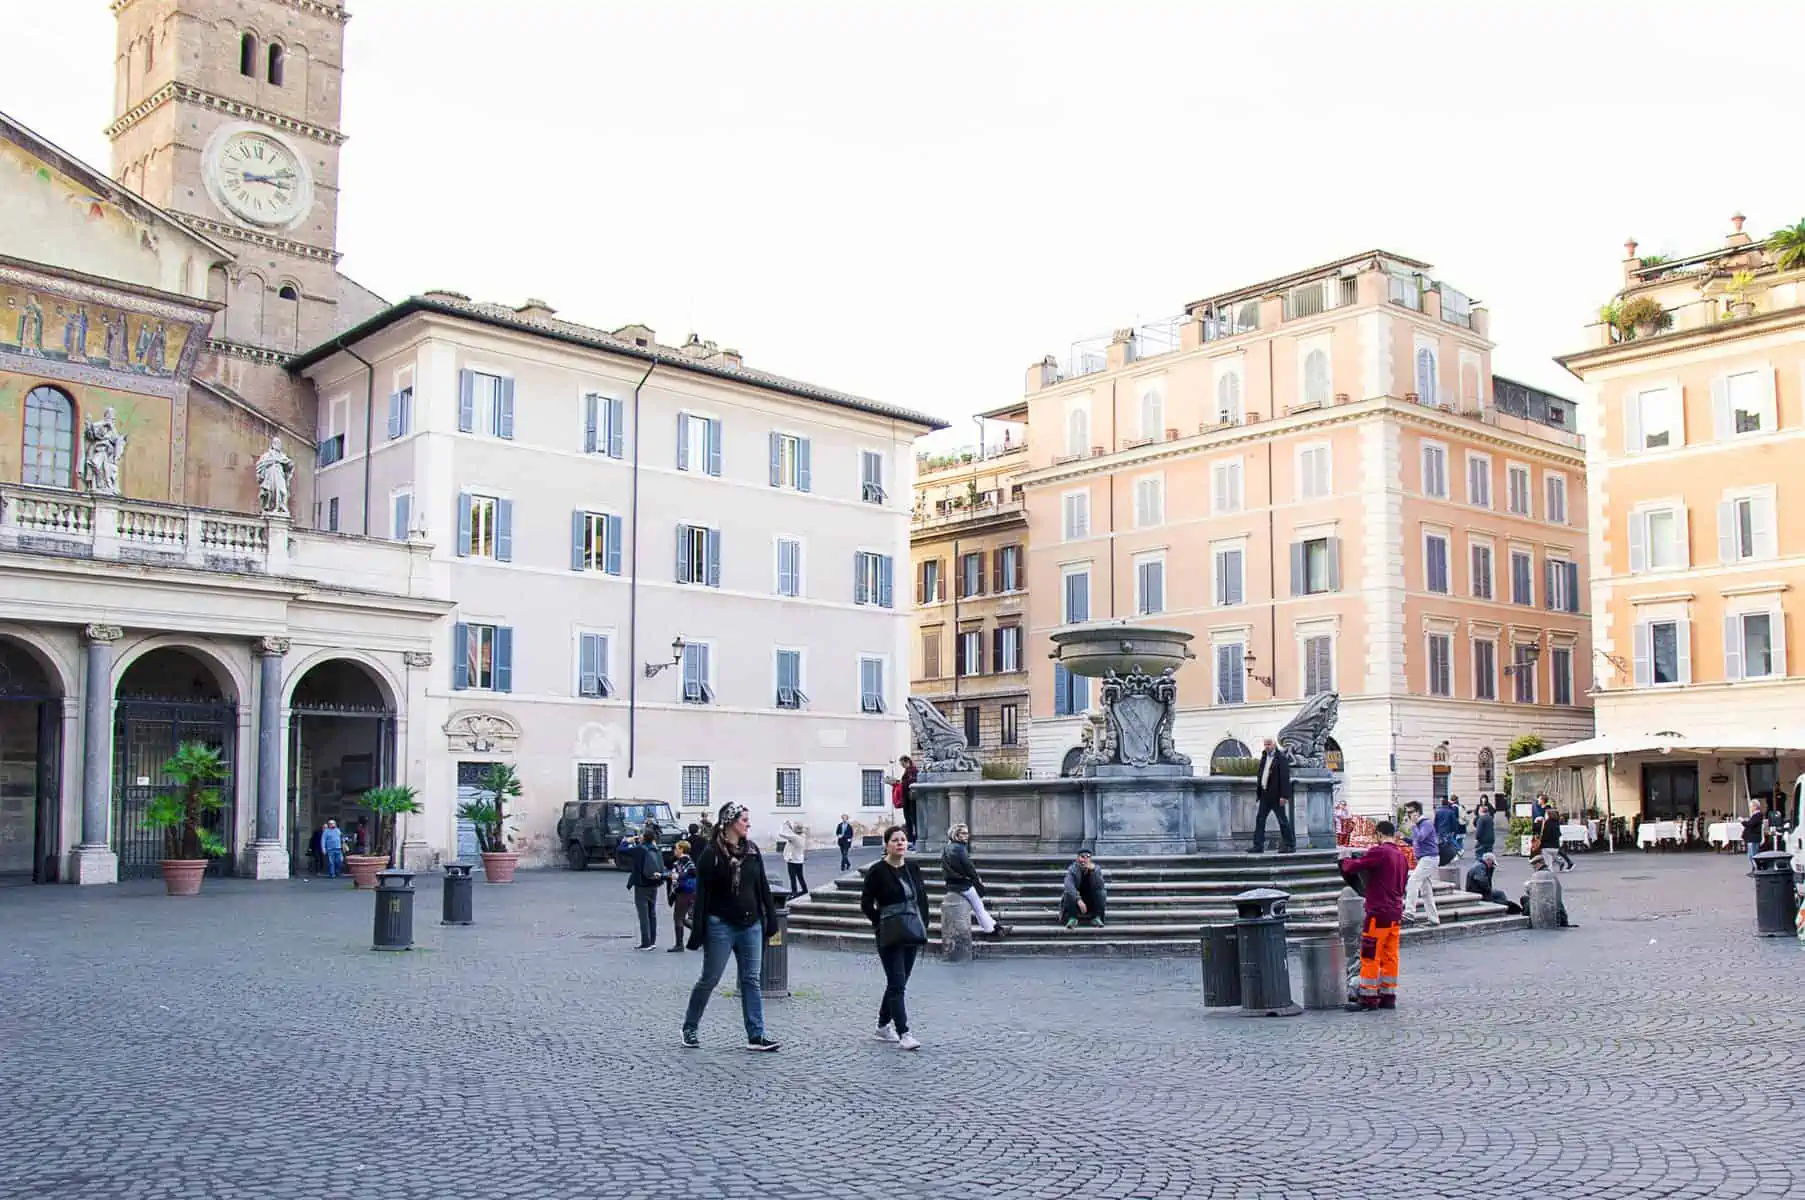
(1272, 784)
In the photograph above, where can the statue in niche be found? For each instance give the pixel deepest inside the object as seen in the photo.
(100, 462)
(275, 471)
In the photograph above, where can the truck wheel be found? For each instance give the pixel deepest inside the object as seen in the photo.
(576, 856)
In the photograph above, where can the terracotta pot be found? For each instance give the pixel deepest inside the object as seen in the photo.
(182, 876)
(1742, 308)
(499, 868)
(363, 868)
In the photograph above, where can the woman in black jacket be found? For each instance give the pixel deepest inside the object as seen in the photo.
(962, 877)
(734, 916)
(894, 880)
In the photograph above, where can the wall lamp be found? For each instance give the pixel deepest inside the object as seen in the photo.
(652, 669)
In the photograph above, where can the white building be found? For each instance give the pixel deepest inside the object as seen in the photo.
(598, 500)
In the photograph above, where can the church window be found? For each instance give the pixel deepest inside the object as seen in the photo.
(49, 458)
(287, 292)
(247, 55)
(275, 64)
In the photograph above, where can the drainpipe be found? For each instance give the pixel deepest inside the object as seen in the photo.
(1272, 558)
(1114, 433)
(956, 583)
(633, 593)
(369, 424)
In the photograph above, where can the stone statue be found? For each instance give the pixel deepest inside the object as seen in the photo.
(1140, 708)
(100, 461)
(940, 747)
(274, 472)
(1305, 735)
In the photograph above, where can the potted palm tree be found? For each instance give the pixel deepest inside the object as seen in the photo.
(1788, 247)
(181, 814)
(386, 803)
(489, 814)
(1741, 284)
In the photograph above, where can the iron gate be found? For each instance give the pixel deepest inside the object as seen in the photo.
(146, 733)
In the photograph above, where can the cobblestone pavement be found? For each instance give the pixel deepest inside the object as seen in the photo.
(248, 1044)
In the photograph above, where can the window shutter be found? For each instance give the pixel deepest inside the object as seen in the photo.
(996, 569)
(504, 531)
(460, 656)
(861, 594)
(504, 658)
(617, 425)
(683, 441)
(1682, 537)
(1573, 604)
(611, 527)
(1777, 626)
(961, 668)
(506, 423)
(1062, 700)
(466, 401)
(589, 669)
(683, 540)
(714, 558)
(1644, 674)
(404, 515)
(591, 421)
(1549, 567)
(1297, 568)
(1334, 564)
(1761, 514)
(921, 583)
(394, 415)
(883, 581)
(711, 438)
(1638, 543)
(1723, 425)
(978, 575)
(1237, 581)
(463, 524)
(1632, 423)
(1733, 647)
(996, 649)
(1770, 407)
(776, 440)
(802, 464)
(579, 529)
(1683, 635)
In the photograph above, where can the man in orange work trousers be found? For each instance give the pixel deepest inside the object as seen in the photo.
(1380, 876)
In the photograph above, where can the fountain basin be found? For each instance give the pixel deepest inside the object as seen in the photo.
(1095, 650)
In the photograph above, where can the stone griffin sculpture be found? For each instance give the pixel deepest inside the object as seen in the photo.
(1304, 735)
(939, 746)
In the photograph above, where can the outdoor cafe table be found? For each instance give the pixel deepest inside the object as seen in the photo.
(1722, 833)
(1660, 831)
(1574, 834)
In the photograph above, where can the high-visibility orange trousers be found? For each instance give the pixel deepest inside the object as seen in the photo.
(1379, 964)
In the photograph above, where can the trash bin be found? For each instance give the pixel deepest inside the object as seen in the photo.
(394, 910)
(1773, 894)
(1221, 967)
(459, 904)
(1260, 943)
(774, 968)
(1325, 972)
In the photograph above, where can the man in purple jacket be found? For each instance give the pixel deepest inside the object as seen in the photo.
(1427, 848)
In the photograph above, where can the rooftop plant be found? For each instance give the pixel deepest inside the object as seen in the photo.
(1788, 247)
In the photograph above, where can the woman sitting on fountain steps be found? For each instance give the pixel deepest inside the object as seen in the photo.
(962, 877)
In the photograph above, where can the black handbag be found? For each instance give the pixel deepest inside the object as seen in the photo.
(901, 924)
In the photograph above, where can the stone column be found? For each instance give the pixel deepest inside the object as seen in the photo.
(416, 850)
(267, 857)
(93, 860)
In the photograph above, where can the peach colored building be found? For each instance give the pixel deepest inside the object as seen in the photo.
(1319, 477)
(1695, 437)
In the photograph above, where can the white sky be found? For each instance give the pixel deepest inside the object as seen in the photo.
(913, 201)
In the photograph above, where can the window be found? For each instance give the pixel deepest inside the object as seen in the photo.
(1488, 769)
(1153, 414)
(1435, 563)
(401, 413)
(275, 64)
(974, 725)
(1319, 664)
(1078, 431)
(789, 567)
(1009, 729)
(1481, 582)
(1150, 586)
(1317, 387)
(485, 527)
(789, 679)
(402, 504)
(871, 788)
(1555, 503)
(332, 515)
(1441, 664)
(330, 450)
(1560, 584)
(1315, 566)
(1228, 398)
(1071, 693)
(698, 555)
(1225, 489)
(1560, 672)
(1313, 475)
(789, 787)
(1654, 420)
(1745, 528)
(698, 677)
(1754, 645)
(1230, 564)
(1149, 502)
(247, 55)
(871, 685)
(1435, 471)
(695, 787)
(1077, 598)
(1077, 515)
(871, 477)
(1479, 480)
(968, 653)
(592, 781)
(1229, 750)
(1522, 577)
(928, 586)
(698, 444)
(1663, 655)
(485, 404)
(1743, 403)
(1657, 540)
(871, 579)
(1425, 375)
(930, 654)
(604, 425)
(595, 542)
(1231, 673)
(1523, 672)
(1518, 479)
(1485, 670)
(971, 574)
(592, 665)
(789, 462)
(482, 657)
(1008, 568)
(1008, 653)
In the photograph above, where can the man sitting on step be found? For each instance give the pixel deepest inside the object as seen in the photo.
(1086, 892)
(1479, 882)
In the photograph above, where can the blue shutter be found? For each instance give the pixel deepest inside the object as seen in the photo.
(1062, 700)
(404, 515)
(712, 438)
(590, 402)
(617, 420)
(589, 668)
(407, 410)
(859, 592)
(683, 441)
(466, 401)
(460, 656)
(611, 548)
(505, 424)
(504, 531)
(714, 558)
(504, 658)
(802, 467)
(394, 415)
(683, 573)
(776, 460)
(883, 582)
(463, 524)
(579, 526)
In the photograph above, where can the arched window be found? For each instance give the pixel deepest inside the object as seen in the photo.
(1153, 414)
(1488, 771)
(288, 292)
(1425, 375)
(247, 55)
(49, 458)
(1229, 750)
(1228, 399)
(275, 64)
(1316, 377)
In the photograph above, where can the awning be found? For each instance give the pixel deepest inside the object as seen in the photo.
(1752, 742)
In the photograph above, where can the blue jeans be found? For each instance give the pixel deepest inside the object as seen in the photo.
(747, 946)
(335, 863)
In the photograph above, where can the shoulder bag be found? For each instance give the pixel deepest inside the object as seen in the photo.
(900, 924)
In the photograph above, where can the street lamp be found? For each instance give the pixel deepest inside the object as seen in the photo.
(652, 669)
(1532, 652)
(1249, 661)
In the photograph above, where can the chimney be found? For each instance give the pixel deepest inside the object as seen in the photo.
(1121, 348)
(1630, 262)
(445, 294)
(535, 309)
(1043, 374)
(728, 358)
(639, 335)
(1737, 236)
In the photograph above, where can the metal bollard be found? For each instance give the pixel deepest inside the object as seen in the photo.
(459, 904)
(1221, 967)
(774, 963)
(1325, 972)
(1260, 938)
(1774, 908)
(394, 910)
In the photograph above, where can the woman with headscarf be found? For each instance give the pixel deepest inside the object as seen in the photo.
(962, 877)
(734, 915)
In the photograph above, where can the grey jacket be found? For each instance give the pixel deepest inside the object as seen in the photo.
(1072, 874)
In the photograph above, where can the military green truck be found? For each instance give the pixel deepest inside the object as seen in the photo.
(591, 831)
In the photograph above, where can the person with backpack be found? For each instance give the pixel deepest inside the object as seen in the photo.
(735, 916)
(895, 901)
(681, 882)
(644, 880)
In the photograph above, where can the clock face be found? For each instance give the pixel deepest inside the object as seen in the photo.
(260, 179)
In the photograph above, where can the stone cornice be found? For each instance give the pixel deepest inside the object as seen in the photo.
(1679, 341)
(239, 350)
(329, 11)
(247, 112)
(268, 241)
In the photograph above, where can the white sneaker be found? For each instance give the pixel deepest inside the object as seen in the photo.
(884, 1033)
(907, 1042)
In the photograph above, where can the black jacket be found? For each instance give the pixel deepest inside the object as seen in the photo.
(883, 886)
(1484, 832)
(1751, 826)
(715, 896)
(1279, 787)
(1550, 832)
(648, 866)
(960, 871)
(1479, 880)
(843, 832)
